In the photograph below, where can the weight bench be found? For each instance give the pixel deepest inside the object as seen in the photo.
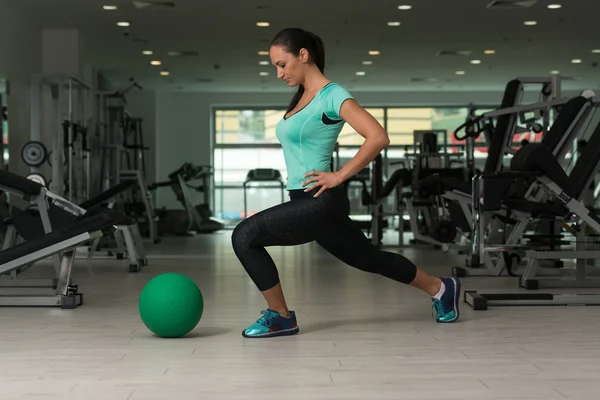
(60, 244)
(536, 161)
(60, 214)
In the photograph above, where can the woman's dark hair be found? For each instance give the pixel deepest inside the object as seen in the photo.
(293, 40)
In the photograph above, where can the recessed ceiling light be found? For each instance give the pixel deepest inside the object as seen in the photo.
(263, 53)
(530, 23)
(123, 23)
(475, 61)
(489, 52)
(360, 73)
(374, 52)
(155, 62)
(147, 52)
(596, 51)
(367, 62)
(165, 73)
(555, 72)
(460, 72)
(576, 61)
(393, 23)
(262, 24)
(263, 73)
(554, 6)
(404, 7)
(110, 8)
(263, 62)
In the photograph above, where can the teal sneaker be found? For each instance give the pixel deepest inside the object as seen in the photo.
(446, 310)
(272, 324)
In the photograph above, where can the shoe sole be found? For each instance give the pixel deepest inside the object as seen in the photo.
(286, 332)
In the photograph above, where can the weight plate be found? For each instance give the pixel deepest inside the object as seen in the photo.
(39, 178)
(34, 153)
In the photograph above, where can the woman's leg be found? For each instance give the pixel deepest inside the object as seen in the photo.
(344, 239)
(292, 223)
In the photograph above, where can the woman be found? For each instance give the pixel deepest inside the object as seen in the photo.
(318, 208)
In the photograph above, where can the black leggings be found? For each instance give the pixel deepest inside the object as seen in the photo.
(303, 219)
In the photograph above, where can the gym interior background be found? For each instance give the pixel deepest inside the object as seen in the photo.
(197, 76)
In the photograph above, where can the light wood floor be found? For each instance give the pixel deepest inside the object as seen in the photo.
(362, 337)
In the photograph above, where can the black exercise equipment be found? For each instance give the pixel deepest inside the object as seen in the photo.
(537, 161)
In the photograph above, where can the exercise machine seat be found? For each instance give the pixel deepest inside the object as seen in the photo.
(538, 158)
(442, 181)
(28, 187)
(98, 222)
(552, 139)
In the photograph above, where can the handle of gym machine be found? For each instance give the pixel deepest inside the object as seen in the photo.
(468, 127)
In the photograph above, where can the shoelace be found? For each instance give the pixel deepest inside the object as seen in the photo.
(267, 318)
(439, 307)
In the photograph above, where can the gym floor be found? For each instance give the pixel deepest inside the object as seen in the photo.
(361, 337)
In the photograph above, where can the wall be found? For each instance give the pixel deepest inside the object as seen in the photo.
(21, 56)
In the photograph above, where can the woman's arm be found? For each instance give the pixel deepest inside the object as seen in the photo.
(376, 139)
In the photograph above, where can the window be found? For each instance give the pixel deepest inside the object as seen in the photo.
(246, 126)
(244, 140)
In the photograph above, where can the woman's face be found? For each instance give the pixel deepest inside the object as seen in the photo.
(290, 68)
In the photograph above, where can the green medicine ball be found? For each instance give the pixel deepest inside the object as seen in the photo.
(171, 305)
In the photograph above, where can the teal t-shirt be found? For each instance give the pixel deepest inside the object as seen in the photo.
(308, 137)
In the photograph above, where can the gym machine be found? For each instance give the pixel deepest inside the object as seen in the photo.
(500, 226)
(537, 162)
(194, 217)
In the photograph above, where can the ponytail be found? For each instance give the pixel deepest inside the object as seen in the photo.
(318, 53)
(295, 39)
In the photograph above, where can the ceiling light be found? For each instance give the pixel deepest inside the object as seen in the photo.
(360, 73)
(147, 52)
(475, 61)
(110, 8)
(489, 52)
(123, 23)
(460, 72)
(263, 62)
(596, 51)
(263, 73)
(174, 53)
(165, 73)
(576, 61)
(404, 7)
(393, 23)
(263, 53)
(367, 62)
(554, 6)
(530, 23)
(155, 62)
(374, 52)
(555, 72)
(262, 24)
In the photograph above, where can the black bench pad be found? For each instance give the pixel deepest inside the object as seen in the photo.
(20, 183)
(98, 222)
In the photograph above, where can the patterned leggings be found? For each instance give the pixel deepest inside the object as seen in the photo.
(305, 219)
